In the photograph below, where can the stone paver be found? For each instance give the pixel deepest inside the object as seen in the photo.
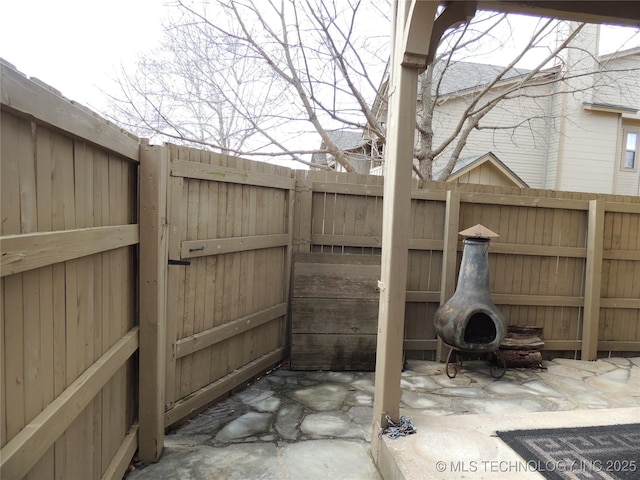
(305, 425)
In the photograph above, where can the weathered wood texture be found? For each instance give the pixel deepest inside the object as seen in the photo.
(68, 288)
(334, 311)
(540, 270)
(153, 299)
(227, 309)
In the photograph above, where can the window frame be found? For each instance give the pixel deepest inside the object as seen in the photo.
(626, 130)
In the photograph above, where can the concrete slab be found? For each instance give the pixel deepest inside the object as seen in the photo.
(466, 446)
(329, 459)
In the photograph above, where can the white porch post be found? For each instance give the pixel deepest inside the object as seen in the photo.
(413, 23)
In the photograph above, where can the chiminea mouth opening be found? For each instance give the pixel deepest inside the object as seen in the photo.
(480, 329)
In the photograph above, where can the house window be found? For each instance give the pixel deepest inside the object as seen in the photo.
(630, 152)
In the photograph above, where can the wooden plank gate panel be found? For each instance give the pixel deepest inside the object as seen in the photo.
(230, 244)
(334, 311)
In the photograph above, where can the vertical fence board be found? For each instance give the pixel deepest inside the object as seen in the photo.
(450, 254)
(175, 283)
(33, 393)
(199, 373)
(14, 353)
(3, 377)
(303, 204)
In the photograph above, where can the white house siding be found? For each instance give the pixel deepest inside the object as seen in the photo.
(555, 124)
(623, 90)
(627, 183)
(620, 85)
(523, 149)
(589, 152)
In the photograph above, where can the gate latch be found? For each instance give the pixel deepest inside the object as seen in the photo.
(179, 262)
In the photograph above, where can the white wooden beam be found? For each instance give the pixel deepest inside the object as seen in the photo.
(416, 38)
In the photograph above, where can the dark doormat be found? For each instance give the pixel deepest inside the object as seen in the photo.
(607, 452)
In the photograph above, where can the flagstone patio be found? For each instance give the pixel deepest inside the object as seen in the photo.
(308, 425)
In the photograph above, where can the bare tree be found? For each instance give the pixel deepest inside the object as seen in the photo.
(250, 77)
(267, 77)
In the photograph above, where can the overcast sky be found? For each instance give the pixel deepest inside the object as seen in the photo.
(76, 45)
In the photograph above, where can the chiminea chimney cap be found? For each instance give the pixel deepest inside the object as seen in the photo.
(478, 231)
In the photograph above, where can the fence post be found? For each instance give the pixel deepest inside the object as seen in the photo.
(449, 255)
(153, 275)
(302, 213)
(292, 196)
(593, 274)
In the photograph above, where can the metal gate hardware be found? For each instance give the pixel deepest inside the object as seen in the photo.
(179, 262)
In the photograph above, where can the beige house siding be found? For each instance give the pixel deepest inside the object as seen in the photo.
(485, 174)
(589, 153)
(620, 84)
(524, 148)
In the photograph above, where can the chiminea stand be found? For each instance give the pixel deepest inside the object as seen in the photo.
(456, 357)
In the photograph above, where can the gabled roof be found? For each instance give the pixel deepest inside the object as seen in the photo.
(344, 139)
(458, 77)
(619, 54)
(464, 75)
(461, 76)
(467, 164)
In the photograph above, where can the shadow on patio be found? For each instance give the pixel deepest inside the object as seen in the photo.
(307, 425)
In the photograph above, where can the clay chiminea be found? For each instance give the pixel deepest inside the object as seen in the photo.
(469, 320)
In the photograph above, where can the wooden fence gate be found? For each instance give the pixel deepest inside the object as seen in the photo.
(229, 258)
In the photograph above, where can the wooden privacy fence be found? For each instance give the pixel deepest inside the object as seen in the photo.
(198, 287)
(68, 265)
(140, 283)
(568, 262)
